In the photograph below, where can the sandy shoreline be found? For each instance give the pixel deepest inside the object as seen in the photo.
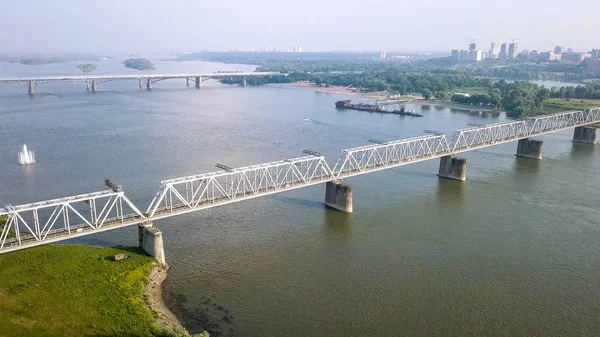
(377, 95)
(153, 292)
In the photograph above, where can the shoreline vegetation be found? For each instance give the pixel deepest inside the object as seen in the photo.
(476, 84)
(139, 64)
(91, 292)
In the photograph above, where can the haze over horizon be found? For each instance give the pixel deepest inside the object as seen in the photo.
(140, 26)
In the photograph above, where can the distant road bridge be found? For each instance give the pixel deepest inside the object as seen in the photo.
(92, 81)
(60, 219)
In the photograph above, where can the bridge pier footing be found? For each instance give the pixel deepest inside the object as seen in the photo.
(150, 241)
(149, 84)
(454, 168)
(31, 87)
(140, 83)
(94, 85)
(583, 134)
(529, 148)
(338, 196)
(198, 82)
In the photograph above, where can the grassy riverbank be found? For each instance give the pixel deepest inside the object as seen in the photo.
(553, 105)
(77, 290)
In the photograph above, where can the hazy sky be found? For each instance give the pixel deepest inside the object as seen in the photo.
(191, 25)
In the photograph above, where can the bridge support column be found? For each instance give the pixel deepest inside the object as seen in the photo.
(529, 148)
(198, 82)
(338, 196)
(583, 134)
(454, 168)
(31, 87)
(244, 83)
(187, 82)
(94, 85)
(140, 83)
(148, 84)
(151, 241)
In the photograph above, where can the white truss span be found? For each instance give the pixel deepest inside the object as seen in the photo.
(492, 134)
(385, 155)
(60, 219)
(54, 220)
(183, 195)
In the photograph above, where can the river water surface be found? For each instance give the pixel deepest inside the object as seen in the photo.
(513, 251)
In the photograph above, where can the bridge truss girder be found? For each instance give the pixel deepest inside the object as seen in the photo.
(491, 134)
(385, 155)
(32, 224)
(207, 190)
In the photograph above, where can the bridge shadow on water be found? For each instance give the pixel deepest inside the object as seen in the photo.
(299, 202)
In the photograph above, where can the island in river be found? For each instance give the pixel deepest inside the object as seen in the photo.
(139, 64)
(88, 67)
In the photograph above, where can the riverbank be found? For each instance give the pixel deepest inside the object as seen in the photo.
(378, 95)
(91, 293)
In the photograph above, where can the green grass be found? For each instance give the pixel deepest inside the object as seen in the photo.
(553, 105)
(75, 290)
(472, 90)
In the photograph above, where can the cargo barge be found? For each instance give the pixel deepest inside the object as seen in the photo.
(347, 104)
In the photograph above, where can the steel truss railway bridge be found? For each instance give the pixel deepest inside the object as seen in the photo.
(65, 218)
(92, 81)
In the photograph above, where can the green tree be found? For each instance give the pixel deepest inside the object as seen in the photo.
(427, 94)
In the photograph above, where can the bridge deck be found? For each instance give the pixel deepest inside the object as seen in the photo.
(136, 76)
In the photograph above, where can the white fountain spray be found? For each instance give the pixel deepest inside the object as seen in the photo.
(26, 157)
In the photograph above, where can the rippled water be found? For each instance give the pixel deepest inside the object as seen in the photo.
(513, 251)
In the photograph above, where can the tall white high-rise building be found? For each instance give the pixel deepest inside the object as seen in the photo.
(297, 49)
(494, 50)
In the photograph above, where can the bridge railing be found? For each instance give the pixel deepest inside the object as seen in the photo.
(233, 184)
(36, 222)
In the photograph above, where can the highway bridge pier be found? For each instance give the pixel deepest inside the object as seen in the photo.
(198, 82)
(31, 87)
(151, 241)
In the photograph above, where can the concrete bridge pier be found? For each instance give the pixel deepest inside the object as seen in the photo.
(198, 82)
(583, 134)
(244, 83)
(148, 84)
(529, 148)
(338, 196)
(94, 85)
(140, 83)
(151, 241)
(454, 168)
(31, 87)
(187, 82)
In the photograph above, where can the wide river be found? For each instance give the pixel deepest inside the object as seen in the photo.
(513, 251)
